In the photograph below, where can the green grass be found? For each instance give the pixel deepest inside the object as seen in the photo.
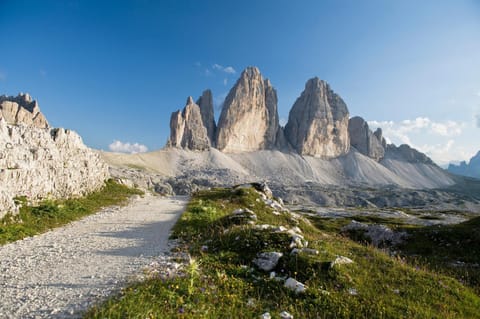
(223, 282)
(450, 249)
(32, 220)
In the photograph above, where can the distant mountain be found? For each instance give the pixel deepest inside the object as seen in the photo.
(472, 169)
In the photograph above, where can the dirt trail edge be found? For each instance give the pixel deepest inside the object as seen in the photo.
(64, 271)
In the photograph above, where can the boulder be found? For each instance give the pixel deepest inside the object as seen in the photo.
(187, 129)
(249, 118)
(318, 122)
(268, 260)
(364, 140)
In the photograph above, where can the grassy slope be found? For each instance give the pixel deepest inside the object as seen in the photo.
(33, 220)
(223, 283)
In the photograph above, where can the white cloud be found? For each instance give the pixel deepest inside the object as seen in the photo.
(434, 138)
(208, 72)
(228, 69)
(225, 81)
(120, 147)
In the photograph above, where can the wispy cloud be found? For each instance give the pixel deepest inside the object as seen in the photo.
(225, 81)
(402, 130)
(437, 136)
(227, 69)
(132, 148)
(3, 76)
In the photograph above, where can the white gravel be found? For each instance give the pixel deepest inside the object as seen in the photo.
(65, 271)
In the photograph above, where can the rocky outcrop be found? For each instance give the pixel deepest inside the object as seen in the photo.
(249, 118)
(364, 141)
(45, 163)
(379, 134)
(187, 129)
(21, 109)
(472, 169)
(318, 122)
(407, 154)
(205, 102)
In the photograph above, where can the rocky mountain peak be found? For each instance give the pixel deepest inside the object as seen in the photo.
(187, 129)
(22, 109)
(364, 141)
(318, 122)
(249, 117)
(205, 102)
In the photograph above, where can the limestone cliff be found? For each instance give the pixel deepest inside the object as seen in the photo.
(249, 118)
(43, 162)
(187, 129)
(364, 140)
(318, 122)
(21, 109)
(205, 102)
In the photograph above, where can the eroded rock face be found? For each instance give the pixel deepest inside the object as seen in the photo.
(45, 162)
(408, 154)
(21, 109)
(205, 102)
(187, 129)
(363, 140)
(249, 118)
(318, 122)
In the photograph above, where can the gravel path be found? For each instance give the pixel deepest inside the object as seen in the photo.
(60, 273)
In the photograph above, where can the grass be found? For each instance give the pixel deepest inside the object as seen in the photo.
(32, 220)
(222, 282)
(450, 249)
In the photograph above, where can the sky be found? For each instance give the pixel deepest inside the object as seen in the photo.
(115, 70)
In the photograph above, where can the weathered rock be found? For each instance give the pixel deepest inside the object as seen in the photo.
(379, 134)
(187, 129)
(318, 122)
(341, 260)
(295, 285)
(285, 315)
(21, 110)
(249, 118)
(268, 260)
(408, 154)
(363, 140)
(45, 163)
(378, 234)
(205, 102)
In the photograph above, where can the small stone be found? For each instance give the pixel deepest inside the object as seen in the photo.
(285, 315)
(268, 260)
(266, 315)
(353, 291)
(295, 285)
(341, 260)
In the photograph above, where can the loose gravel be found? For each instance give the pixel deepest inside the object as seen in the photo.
(63, 272)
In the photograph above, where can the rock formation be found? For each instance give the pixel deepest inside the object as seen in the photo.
(379, 134)
(318, 122)
(407, 154)
(43, 162)
(21, 109)
(187, 129)
(363, 140)
(249, 118)
(472, 169)
(205, 102)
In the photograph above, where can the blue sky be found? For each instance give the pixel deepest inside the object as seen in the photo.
(115, 70)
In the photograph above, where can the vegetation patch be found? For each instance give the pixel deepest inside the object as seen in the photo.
(32, 220)
(335, 277)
